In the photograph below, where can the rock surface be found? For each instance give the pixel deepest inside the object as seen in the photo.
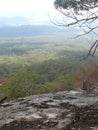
(74, 110)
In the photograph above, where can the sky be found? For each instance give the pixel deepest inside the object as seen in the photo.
(36, 10)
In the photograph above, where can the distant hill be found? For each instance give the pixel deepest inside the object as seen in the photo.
(22, 26)
(28, 30)
(25, 30)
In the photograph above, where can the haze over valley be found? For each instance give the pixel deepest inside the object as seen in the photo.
(38, 57)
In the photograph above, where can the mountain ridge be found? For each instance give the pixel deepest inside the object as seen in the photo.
(29, 30)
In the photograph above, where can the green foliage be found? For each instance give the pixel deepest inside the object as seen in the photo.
(70, 79)
(20, 83)
(42, 66)
(25, 82)
(62, 83)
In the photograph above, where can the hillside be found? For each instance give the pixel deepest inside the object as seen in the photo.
(52, 60)
(30, 30)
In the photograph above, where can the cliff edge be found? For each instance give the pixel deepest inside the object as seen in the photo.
(68, 110)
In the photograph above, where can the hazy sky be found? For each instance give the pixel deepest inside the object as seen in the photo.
(36, 9)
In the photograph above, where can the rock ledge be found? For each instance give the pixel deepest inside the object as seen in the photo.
(72, 110)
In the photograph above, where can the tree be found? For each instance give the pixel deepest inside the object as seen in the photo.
(87, 78)
(83, 13)
(21, 83)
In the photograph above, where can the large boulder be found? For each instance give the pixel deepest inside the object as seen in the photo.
(60, 111)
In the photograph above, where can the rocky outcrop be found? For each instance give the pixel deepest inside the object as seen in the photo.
(72, 110)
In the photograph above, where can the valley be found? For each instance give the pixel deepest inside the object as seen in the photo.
(40, 64)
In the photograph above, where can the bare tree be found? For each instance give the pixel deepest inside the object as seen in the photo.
(83, 13)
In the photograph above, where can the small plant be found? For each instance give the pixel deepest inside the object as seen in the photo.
(3, 99)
